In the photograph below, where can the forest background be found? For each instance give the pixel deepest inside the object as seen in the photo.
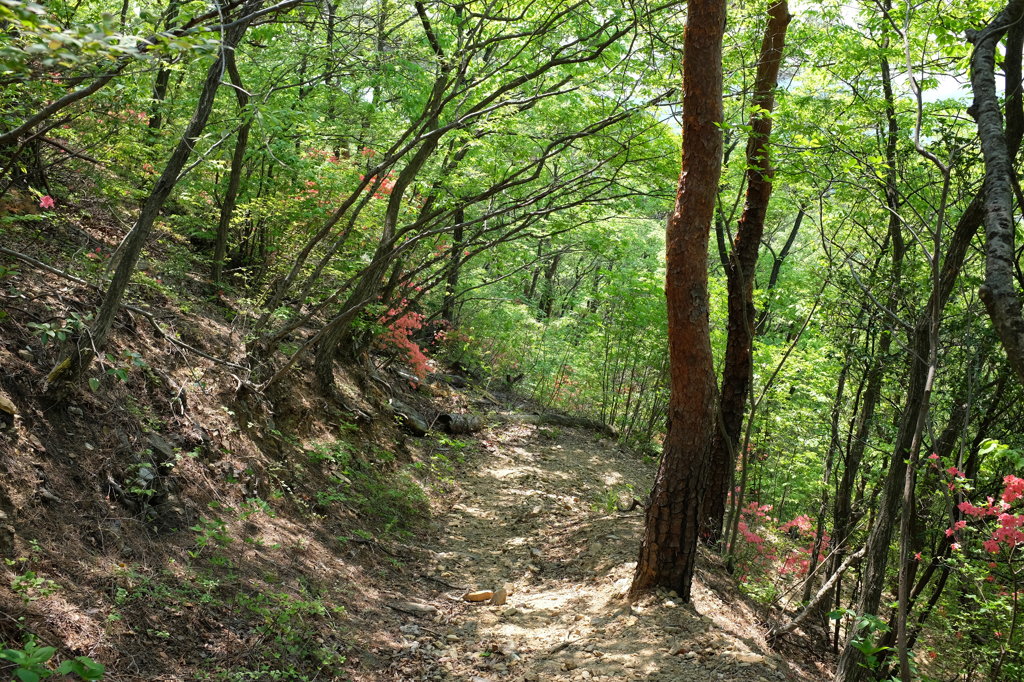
(486, 185)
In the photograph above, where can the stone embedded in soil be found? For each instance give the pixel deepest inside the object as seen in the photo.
(746, 657)
(499, 597)
(478, 595)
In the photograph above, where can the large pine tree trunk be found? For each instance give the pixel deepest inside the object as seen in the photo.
(669, 548)
(739, 369)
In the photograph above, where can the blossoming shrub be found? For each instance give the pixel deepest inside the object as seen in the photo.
(980, 617)
(399, 326)
(771, 555)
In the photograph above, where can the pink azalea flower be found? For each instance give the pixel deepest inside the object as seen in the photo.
(46, 202)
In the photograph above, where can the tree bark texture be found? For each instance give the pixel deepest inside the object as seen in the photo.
(999, 292)
(668, 550)
(739, 369)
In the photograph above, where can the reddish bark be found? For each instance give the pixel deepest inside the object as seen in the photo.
(669, 547)
(738, 371)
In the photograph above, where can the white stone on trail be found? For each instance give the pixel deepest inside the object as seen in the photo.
(416, 608)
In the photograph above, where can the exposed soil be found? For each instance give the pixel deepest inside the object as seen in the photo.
(532, 516)
(174, 527)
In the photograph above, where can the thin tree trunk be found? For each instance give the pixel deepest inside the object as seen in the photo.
(163, 76)
(887, 508)
(668, 550)
(833, 448)
(739, 369)
(454, 266)
(81, 351)
(227, 209)
(773, 278)
(999, 292)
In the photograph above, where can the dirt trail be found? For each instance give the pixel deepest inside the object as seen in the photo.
(531, 517)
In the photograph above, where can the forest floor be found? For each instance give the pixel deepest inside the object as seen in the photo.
(174, 527)
(534, 514)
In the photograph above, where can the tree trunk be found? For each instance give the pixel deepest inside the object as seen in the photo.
(80, 352)
(547, 291)
(999, 292)
(668, 550)
(454, 265)
(739, 369)
(773, 278)
(163, 76)
(843, 517)
(227, 209)
(849, 668)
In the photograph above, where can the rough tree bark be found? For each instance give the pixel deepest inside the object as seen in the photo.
(668, 550)
(999, 292)
(739, 369)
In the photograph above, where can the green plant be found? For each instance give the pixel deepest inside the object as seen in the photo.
(60, 329)
(288, 626)
(31, 663)
(865, 628)
(32, 586)
(614, 498)
(255, 505)
(338, 453)
(211, 532)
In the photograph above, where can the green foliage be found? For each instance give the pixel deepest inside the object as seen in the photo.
(289, 627)
(61, 329)
(866, 626)
(32, 586)
(373, 489)
(31, 664)
(614, 499)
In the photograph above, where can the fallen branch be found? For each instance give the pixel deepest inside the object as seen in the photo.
(70, 152)
(815, 603)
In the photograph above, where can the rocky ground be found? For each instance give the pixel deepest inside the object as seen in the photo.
(534, 520)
